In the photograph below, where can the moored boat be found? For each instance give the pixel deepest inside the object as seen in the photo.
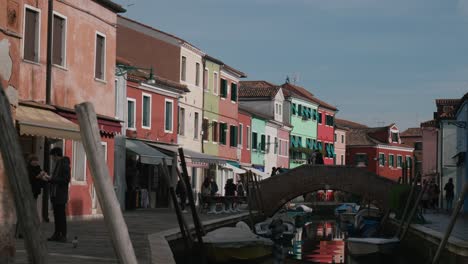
(367, 246)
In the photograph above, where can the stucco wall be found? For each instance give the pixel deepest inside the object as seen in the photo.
(74, 83)
(211, 107)
(325, 133)
(283, 160)
(429, 139)
(340, 147)
(271, 159)
(246, 121)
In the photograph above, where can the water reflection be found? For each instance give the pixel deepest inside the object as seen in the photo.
(319, 242)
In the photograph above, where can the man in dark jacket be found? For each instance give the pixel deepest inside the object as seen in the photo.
(59, 193)
(449, 193)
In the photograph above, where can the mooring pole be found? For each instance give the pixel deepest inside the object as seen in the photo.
(407, 205)
(102, 181)
(413, 211)
(453, 219)
(18, 179)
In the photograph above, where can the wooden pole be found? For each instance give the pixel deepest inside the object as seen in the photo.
(407, 205)
(104, 188)
(180, 218)
(413, 211)
(199, 230)
(249, 199)
(18, 179)
(453, 219)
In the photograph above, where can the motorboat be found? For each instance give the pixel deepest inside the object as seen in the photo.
(237, 243)
(299, 210)
(346, 208)
(366, 246)
(263, 228)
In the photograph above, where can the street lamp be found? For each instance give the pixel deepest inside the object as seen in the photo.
(123, 69)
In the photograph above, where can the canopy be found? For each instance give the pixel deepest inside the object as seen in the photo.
(233, 168)
(195, 157)
(148, 155)
(43, 122)
(262, 174)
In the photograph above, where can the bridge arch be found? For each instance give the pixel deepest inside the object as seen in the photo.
(278, 190)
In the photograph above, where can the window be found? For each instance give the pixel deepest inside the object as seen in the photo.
(215, 83)
(168, 115)
(268, 144)
(382, 159)
(146, 115)
(58, 42)
(399, 161)
(314, 114)
(197, 74)
(262, 142)
(254, 141)
(280, 109)
(241, 131)
(224, 88)
(181, 126)
(195, 126)
(248, 137)
(183, 70)
(79, 162)
(31, 35)
(299, 110)
(394, 137)
(205, 79)
(320, 118)
(131, 113)
(233, 136)
(280, 147)
(276, 146)
(206, 131)
(361, 160)
(342, 138)
(418, 145)
(233, 92)
(100, 63)
(222, 133)
(215, 132)
(293, 109)
(391, 160)
(409, 162)
(335, 137)
(329, 120)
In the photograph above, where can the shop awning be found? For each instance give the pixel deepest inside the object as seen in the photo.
(195, 157)
(43, 122)
(263, 175)
(148, 155)
(234, 168)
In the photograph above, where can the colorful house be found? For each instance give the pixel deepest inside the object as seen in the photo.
(413, 137)
(245, 128)
(326, 131)
(378, 149)
(429, 134)
(340, 144)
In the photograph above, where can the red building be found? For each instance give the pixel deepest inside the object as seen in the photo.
(245, 131)
(326, 130)
(379, 149)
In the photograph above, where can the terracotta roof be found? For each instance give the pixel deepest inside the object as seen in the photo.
(359, 137)
(229, 68)
(143, 76)
(121, 60)
(430, 123)
(447, 102)
(461, 101)
(348, 124)
(254, 112)
(111, 6)
(295, 89)
(411, 132)
(325, 105)
(249, 89)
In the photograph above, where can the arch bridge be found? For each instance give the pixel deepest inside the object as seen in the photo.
(277, 190)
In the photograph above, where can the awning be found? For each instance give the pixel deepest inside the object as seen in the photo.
(262, 174)
(42, 122)
(195, 157)
(148, 155)
(233, 168)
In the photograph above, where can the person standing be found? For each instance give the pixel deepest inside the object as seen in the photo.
(449, 194)
(182, 193)
(36, 175)
(318, 158)
(214, 187)
(59, 193)
(229, 190)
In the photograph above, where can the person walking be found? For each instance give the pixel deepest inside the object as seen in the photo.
(318, 157)
(182, 194)
(240, 189)
(449, 194)
(59, 193)
(229, 190)
(214, 187)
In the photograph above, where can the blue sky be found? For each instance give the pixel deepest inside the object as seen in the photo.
(378, 61)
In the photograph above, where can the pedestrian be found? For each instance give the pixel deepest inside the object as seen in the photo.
(59, 193)
(449, 194)
(214, 187)
(435, 197)
(206, 193)
(312, 158)
(240, 188)
(273, 171)
(318, 157)
(229, 190)
(181, 192)
(36, 175)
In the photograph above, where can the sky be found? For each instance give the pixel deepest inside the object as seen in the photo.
(378, 61)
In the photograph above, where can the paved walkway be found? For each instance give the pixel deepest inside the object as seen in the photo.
(439, 222)
(95, 244)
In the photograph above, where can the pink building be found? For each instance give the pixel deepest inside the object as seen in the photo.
(429, 150)
(283, 147)
(245, 131)
(340, 145)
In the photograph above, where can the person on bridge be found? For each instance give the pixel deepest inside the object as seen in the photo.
(449, 194)
(318, 157)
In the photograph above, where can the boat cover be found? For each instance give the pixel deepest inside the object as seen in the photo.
(239, 236)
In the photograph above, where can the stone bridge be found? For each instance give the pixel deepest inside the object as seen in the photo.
(278, 190)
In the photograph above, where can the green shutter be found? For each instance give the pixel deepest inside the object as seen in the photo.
(293, 109)
(234, 92)
(332, 149)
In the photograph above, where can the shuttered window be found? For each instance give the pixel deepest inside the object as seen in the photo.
(262, 143)
(233, 136)
(234, 92)
(58, 50)
(183, 70)
(146, 115)
(100, 56)
(223, 93)
(222, 133)
(206, 131)
(254, 141)
(197, 74)
(31, 35)
(215, 131)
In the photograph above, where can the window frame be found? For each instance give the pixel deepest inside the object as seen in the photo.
(236, 92)
(215, 129)
(134, 113)
(240, 140)
(256, 139)
(249, 138)
(197, 74)
(143, 95)
(380, 159)
(183, 68)
(64, 41)
(206, 79)
(172, 115)
(206, 138)
(180, 123)
(391, 157)
(74, 181)
(104, 56)
(38, 33)
(223, 97)
(216, 83)
(399, 163)
(196, 126)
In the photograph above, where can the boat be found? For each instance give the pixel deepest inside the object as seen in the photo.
(299, 210)
(346, 208)
(237, 243)
(365, 246)
(347, 217)
(263, 228)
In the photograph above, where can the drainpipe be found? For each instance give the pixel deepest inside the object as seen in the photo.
(50, 16)
(203, 102)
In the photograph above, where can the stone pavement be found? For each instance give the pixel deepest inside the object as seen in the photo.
(94, 241)
(439, 222)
